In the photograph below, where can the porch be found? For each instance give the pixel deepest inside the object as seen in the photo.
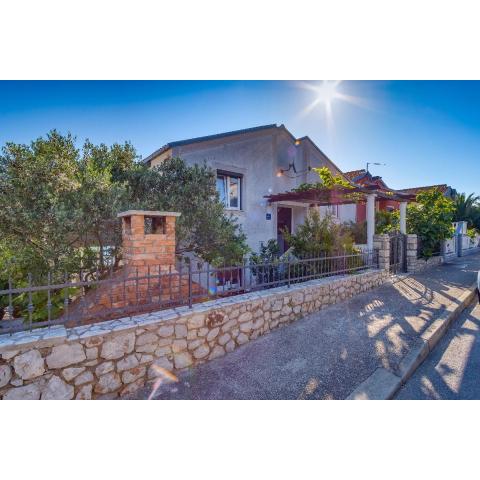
(333, 199)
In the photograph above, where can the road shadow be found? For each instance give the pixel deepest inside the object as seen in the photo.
(451, 372)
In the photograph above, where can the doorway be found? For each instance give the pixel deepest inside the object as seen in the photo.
(284, 222)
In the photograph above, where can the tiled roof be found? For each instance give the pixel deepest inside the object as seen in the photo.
(206, 138)
(354, 174)
(443, 188)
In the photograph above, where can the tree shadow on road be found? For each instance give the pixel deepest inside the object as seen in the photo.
(452, 369)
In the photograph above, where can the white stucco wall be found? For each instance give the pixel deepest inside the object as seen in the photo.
(258, 156)
(347, 213)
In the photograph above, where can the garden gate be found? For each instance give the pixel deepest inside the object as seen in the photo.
(398, 252)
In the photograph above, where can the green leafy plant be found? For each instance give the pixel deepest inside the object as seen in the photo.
(431, 219)
(472, 233)
(467, 208)
(387, 222)
(358, 231)
(266, 265)
(203, 227)
(327, 180)
(60, 205)
(319, 236)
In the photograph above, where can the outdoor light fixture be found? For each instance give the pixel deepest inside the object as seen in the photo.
(291, 166)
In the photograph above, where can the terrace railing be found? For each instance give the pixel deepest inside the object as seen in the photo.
(87, 298)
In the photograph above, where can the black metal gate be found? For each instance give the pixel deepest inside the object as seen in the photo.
(398, 252)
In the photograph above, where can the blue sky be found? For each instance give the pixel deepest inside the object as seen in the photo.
(425, 132)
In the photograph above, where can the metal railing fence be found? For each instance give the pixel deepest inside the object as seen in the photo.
(86, 298)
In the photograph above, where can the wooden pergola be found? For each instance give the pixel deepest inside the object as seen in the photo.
(344, 195)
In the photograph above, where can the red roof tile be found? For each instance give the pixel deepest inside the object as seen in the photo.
(414, 190)
(353, 174)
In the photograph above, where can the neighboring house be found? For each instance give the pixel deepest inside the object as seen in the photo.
(365, 178)
(252, 163)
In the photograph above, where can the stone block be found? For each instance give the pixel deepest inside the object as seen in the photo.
(202, 351)
(179, 346)
(134, 374)
(182, 360)
(217, 351)
(71, 372)
(29, 365)
(108, 383)
(166, 331)
(65, 355)
(104, 368)
(180, 331)
(85, 393)
(127, 363)
(145, 338)
(5, 375)
(196, 321)
(85, 377)
(118, 346)
(224, 339)
(57, 389)
(27, 392)
(241, 339)
(161, 362)
(91, 353)
(133, 387)
(212, 334)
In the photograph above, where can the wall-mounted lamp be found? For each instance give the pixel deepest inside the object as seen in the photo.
(291, 166)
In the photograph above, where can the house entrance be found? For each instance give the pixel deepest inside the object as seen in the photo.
(284, 222)
(398, 252)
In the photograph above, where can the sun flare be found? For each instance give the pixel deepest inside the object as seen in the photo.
(326, 94)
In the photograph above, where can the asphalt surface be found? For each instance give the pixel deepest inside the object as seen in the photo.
(328, 353)
(452, 370)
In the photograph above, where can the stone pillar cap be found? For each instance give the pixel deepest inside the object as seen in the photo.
(148, 213)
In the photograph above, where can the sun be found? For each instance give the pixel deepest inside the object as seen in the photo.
(327, 92)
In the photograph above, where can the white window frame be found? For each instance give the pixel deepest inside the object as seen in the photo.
(227, 177)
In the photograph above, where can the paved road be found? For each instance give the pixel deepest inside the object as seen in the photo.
(452, 371)
(328, 353)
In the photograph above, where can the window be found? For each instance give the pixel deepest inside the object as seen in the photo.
(229, 190)
(332, 210)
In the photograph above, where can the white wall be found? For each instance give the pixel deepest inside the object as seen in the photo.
(347, 213)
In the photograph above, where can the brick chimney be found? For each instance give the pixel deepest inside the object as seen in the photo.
(148, 239)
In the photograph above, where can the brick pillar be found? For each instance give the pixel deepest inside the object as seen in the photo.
(412, 253)
(382, 244)
(148, 240)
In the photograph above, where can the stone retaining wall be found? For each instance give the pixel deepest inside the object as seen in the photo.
(420, 264)
(115, 358)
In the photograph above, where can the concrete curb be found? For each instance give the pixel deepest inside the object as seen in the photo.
(383, 384)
